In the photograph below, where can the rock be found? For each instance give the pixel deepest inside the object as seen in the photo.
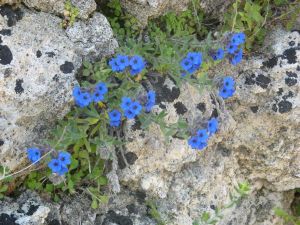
(145, 9)
(38, 64)
(93, 38)
(258, 140)
(85, 7)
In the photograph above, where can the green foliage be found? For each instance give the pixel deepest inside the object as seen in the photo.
(286, 217)
(255, 17)
(154, 213)
(241, 191)
(70, 14)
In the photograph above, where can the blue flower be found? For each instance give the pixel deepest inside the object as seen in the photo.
(83, 100)
(238, 38)
(231, 48)
(195, 57)
(126, 102)
(212, 126)
(63, 170)
(186, 64)
(135, 107)
(76, 92)
(135, 72)
(129, 114)
(226, 93)
(137, 64)
(228, 82)
(101, 88)
(64, 158)
(203, 135)
(33, 154)
(219, 54)
(98, 97)
(194, 142)
(115, 118)
(114, 65)
(151, 100)
(55, 165)
(237, 58)
(122, 61)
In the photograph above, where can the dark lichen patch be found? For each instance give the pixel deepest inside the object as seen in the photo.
(162, 106)
(6, 219)
(137, 125)
(262, 81)
(140, 196)
(55, 78)
(271, 62)
(180, 108)
(291, 79)
(1, 142)
(13, 16)
(214, 114)
(32, 209)
(121, 162)
(18, 88)
(225, 152)
(67, 67)
(291, 43)
(288, 95)
(298, 68)
(290, 55)
(5, 32)
(5, 55)
(280, 91)
(131, 157)
(201, 106)
(132, 209)
(254, 109)
(249, 81)
(38, 53)
(274, 108)
(50, 54)
(113, 217)
(284, 106)
(54, 222)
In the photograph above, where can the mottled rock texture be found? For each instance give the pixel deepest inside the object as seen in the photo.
(38, 63)
(145, 9)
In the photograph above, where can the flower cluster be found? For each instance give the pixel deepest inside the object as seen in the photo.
(236, 53)
(83, 97)
(191, 62)
(121, 62)
(59, 165)
(151, 97)
(227, 89)
(131, 108)
(115, 118)
(199, 141)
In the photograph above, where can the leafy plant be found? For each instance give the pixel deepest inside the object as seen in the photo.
(286, 217)
(70, 14)
(153, 212)
(241, 191)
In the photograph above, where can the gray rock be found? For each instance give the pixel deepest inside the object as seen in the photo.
(93, 38)
(38, 63)
(85, 7)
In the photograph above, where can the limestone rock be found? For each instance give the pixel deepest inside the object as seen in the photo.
(85, 7)
(38, 63)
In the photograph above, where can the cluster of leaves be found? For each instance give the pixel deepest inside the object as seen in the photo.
(255, 17)
(288, 219)
(241, 191)
(70, 14)
(154, 213)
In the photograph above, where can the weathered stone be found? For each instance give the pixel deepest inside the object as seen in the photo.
(85, 7)
(38, 63)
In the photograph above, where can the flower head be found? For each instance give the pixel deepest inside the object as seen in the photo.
(195, 57)
(76, 92)
(237, 57)
(238, 38)
(219, 54)
(151, 97)
(226, 93)
(33, 154)
(115, 118)
(64, 158)
(57, 167)
(196, 143)
(203, 135)
(212, 126)
(114, 65)
(129, 114)
(137, 64)
(126, 102)
(231, 48)
(228, 82)
(186, 64)
(136, 107)
(101, 88)
(98, 97)
(122, 61)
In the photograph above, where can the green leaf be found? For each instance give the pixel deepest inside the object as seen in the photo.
(94, 204)
(3, 188)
